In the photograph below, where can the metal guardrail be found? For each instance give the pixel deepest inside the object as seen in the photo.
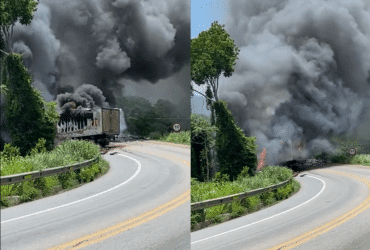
(16, 178)
(234, 197)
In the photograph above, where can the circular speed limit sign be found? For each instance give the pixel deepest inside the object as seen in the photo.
(352, 151)
(176, 127)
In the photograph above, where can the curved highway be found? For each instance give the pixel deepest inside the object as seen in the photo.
(331, 211)
(143, 202)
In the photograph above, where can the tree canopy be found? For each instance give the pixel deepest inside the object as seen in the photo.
(28, 116)
(143, 118)
(12, 11)
(212, 53)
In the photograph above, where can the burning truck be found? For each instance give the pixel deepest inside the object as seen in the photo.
(100, 124)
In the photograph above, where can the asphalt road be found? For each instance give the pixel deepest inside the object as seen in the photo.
(331, 211)
(143, 202)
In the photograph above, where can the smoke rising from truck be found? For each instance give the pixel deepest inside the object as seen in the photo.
(303, 73)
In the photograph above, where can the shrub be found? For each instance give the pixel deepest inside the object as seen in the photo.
(221, 178)
(267, 198)
(283, 192)
(236, 209)
(251, 203)
(243, 174)
(155, 135)
(28, 192)
(10, 151)
(39, 147)
(197, 216)
(66, 179)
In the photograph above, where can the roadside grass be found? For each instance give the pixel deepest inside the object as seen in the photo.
(270, 175)
(69, 152)
(181, 138)
(361, 159)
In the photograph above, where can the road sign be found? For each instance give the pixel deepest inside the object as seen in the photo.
(176, 127)
(352, 151)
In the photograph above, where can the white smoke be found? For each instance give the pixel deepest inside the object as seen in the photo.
(123, 125)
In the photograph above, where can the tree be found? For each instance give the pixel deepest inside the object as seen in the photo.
(166, 108)
(234, 150)
(142, 118)
(212, 53)
(13, 11)
(28, 116)
(202, 143)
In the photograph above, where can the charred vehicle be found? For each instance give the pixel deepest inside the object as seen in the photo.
(100, 125)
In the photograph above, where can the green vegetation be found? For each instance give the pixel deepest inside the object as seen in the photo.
(341, 153)
(212, 53)
(69, 152)
(26, 123)
(28, 116)
(233, 167)
(234, 149)
(146, 120)
(362, 159)
(13, 11)
(181, 138)
(220, 187)
(202, 142)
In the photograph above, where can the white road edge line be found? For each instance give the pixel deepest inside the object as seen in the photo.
(268, 217)
(74, 202)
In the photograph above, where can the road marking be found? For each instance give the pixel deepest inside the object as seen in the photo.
(126, 225)
(322, 189)
(123, 226)
(330, 225)
(172, 158)
(87, 198)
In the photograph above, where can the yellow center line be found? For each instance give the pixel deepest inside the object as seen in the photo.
(126, 225)
(123, 226)
(330, 225)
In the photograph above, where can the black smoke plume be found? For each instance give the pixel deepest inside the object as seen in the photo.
(303, 74)
(70, 42)
(77, 107)
(85, 96)
(104, 43)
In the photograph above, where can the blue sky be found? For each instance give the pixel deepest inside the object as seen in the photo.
(203, 13)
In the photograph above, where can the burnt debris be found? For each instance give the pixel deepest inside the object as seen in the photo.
(74, 119)
(303, 165)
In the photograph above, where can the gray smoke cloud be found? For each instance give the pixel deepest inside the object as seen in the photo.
(99, 42)
(105, 43)
(112, 57)
(303, 73)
